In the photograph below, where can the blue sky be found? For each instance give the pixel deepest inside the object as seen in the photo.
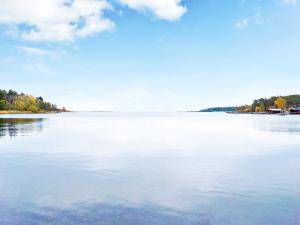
(150, 55)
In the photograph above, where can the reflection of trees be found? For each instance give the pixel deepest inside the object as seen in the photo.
(19, 126)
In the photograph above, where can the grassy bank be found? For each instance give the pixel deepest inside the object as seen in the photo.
(2, 112)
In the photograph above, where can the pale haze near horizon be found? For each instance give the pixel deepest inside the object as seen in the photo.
(150, 55)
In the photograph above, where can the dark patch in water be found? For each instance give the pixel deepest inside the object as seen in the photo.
(292, 127)
(103, 214)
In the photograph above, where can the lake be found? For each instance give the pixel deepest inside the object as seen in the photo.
(149, 169)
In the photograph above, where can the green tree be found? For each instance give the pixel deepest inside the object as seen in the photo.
(262, 107)
(3, 104)
(3, 95)
(11, 100)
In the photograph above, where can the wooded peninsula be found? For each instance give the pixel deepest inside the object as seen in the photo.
(273, 105)
(14, 102)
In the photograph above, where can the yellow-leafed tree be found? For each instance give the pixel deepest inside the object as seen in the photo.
(258, 109)
(26, 103)
(280, 103)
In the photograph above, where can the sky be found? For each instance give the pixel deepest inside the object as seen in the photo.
(150, 55)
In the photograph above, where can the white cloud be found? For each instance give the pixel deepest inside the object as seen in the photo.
(242, 24)
(290, 2)
(163, 9)
(257, 19)
(65, 20)
(37, 51)
(55, 20)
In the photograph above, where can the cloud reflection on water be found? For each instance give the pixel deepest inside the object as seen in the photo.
(132, 169)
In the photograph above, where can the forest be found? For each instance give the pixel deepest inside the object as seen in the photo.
(20, 102)
(261, 105)
(279, 102)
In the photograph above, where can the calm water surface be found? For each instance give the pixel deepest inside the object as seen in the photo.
(149, 169)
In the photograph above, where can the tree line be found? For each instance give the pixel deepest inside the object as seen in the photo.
(219, 109)
(263, 104)
(13, 101)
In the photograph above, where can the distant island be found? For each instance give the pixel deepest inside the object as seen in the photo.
(14, 102)
(289, 104)
(220, 109)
